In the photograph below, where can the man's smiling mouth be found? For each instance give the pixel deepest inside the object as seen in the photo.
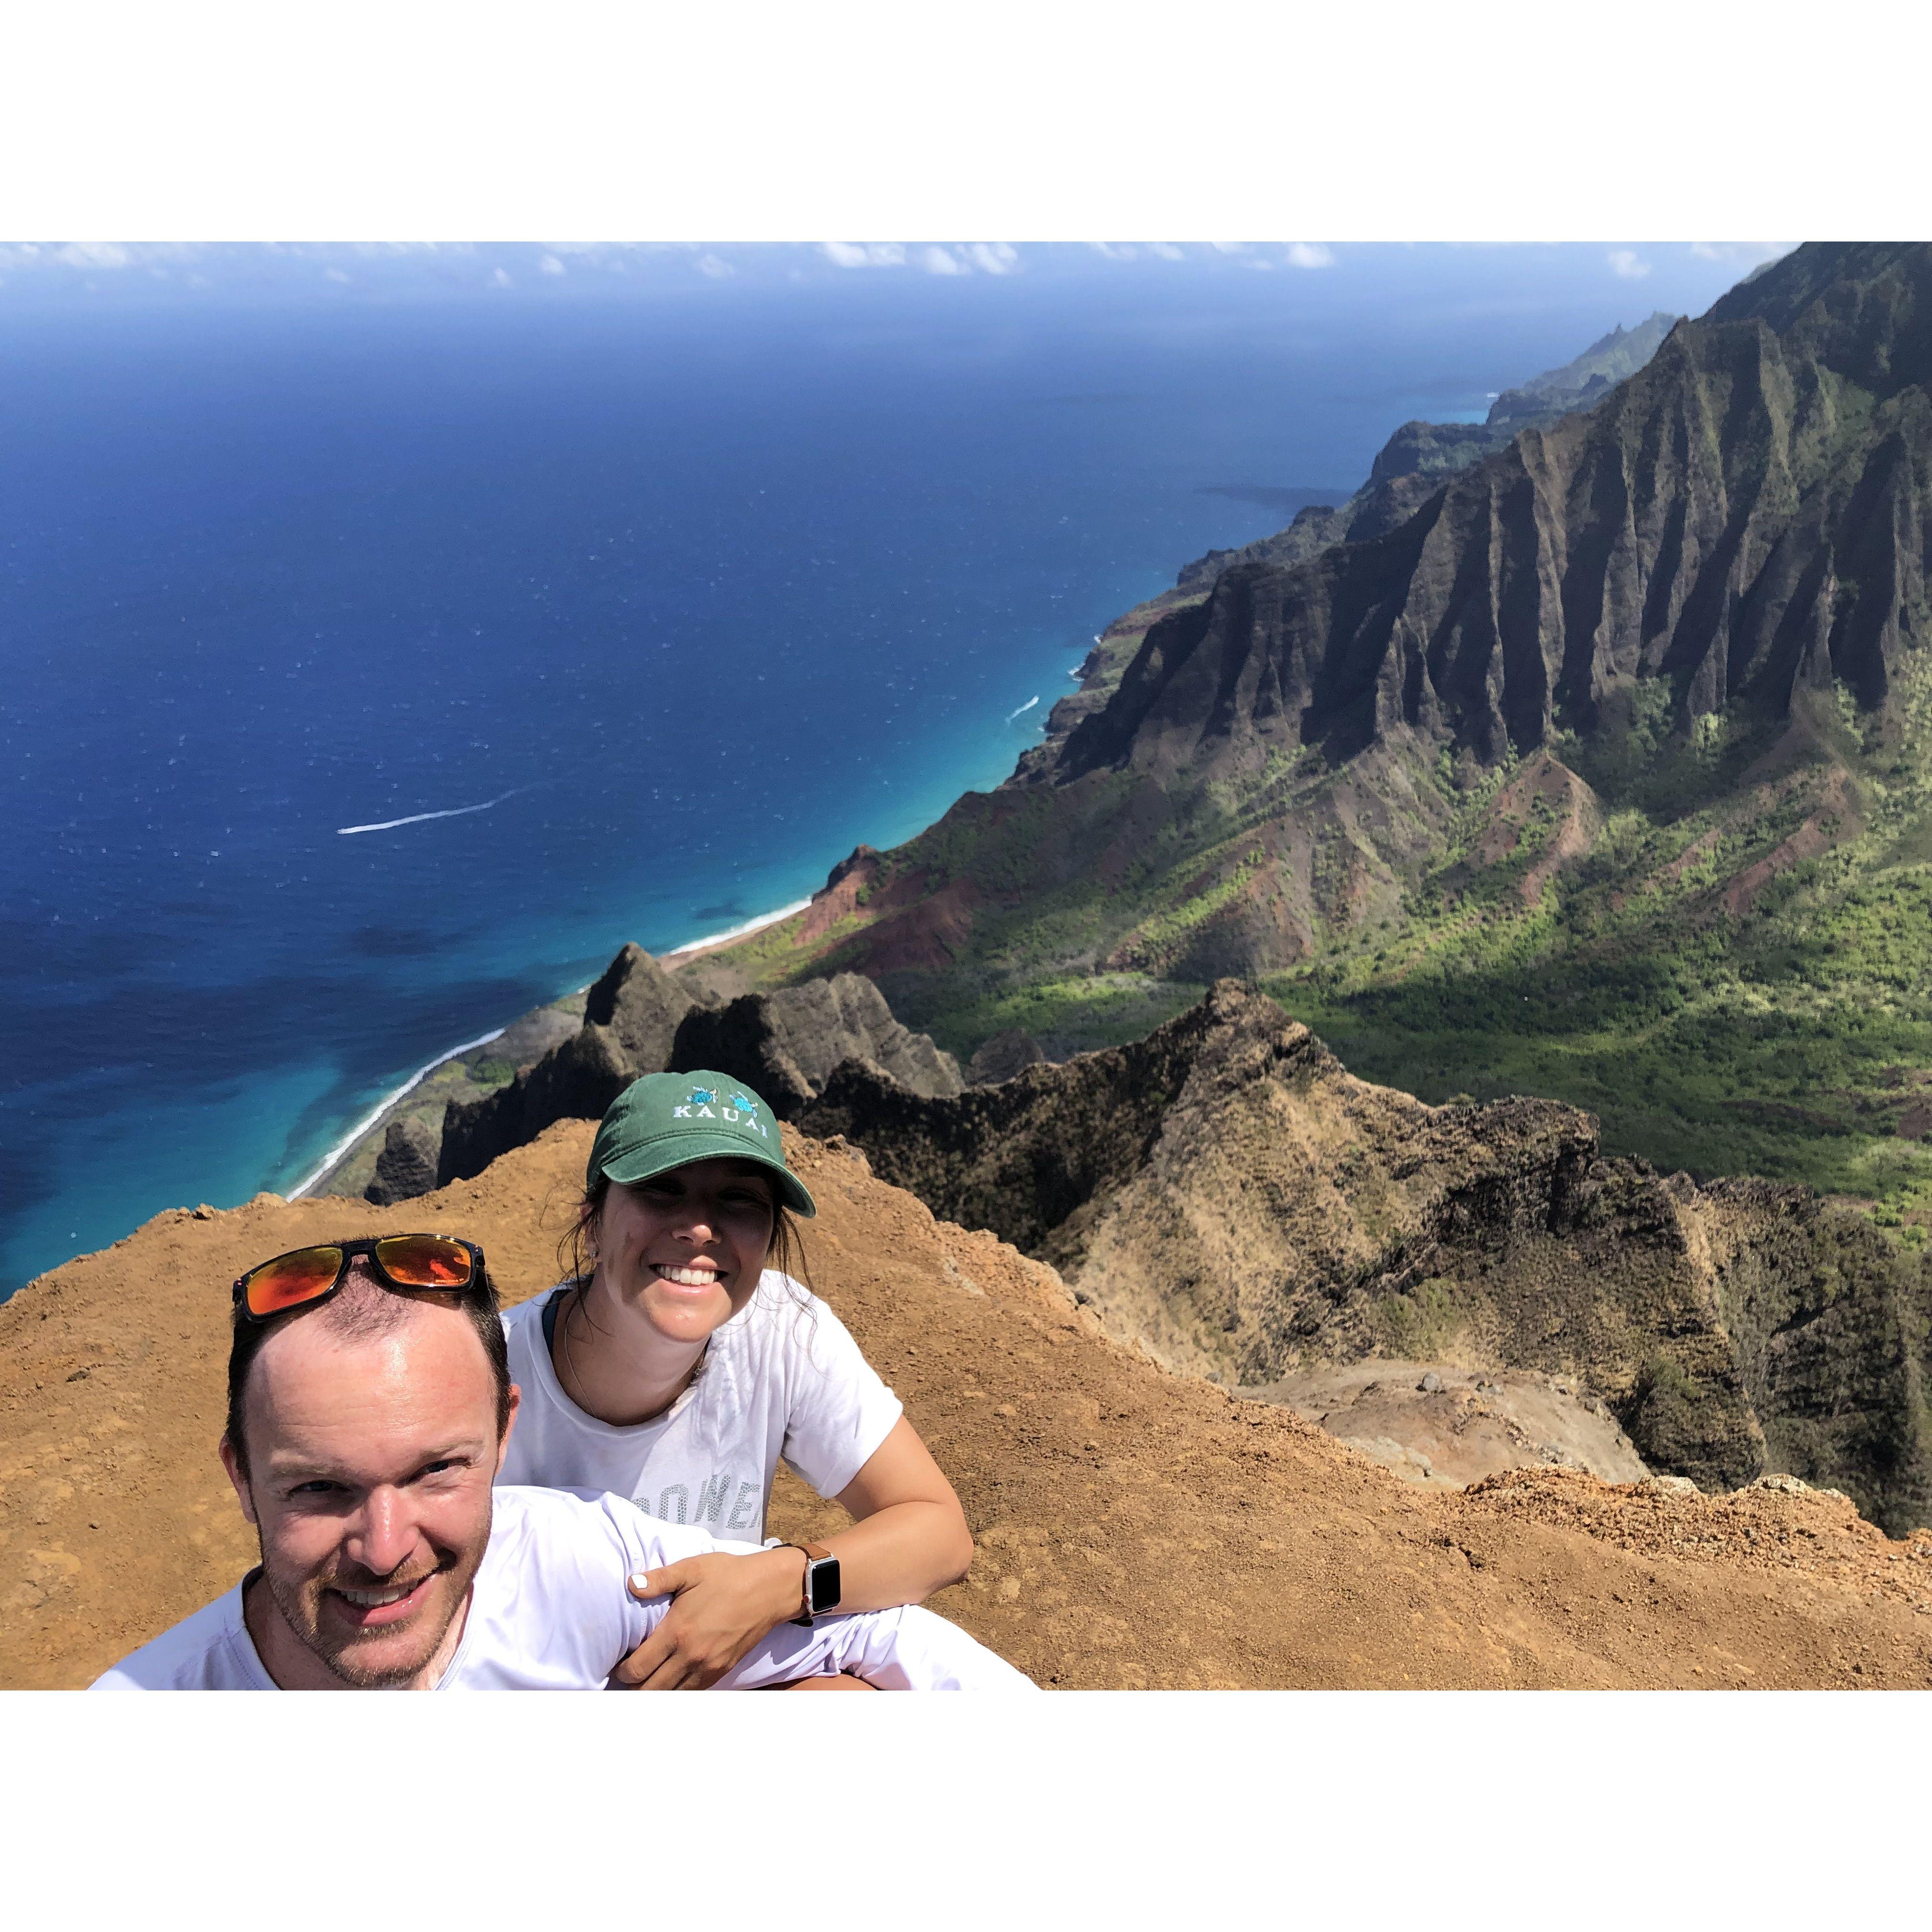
(384, 1603)
(371, 1600)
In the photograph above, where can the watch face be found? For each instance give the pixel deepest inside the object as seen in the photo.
(824, 1585)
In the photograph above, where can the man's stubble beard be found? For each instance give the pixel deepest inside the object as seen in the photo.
(303, 1621)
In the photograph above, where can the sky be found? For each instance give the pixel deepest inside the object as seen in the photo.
(55, 274)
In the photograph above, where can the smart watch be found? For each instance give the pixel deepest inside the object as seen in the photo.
(820, 1592)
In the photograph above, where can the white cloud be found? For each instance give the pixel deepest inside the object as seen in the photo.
(995, 258)
(1231, 247)
(1310, 255)
(1747, 254)
(938, 262)
(1628, 264)
(864, 254)
(1132, 251)
(94, 255)
(715, 266)
(500, 278)
(550, 265)
(334, 275)
(561, 248)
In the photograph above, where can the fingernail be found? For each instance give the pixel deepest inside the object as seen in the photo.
(640, 1579)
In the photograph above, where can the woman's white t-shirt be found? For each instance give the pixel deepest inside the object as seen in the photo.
(782, 1378)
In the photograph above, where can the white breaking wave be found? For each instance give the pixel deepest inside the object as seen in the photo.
(369, 1119)
(764, 918)
(1023, 710)
(424, 817)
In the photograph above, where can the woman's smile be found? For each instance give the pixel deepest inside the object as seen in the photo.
(705, 1276)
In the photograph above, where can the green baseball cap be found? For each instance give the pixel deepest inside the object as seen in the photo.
(669, 1120)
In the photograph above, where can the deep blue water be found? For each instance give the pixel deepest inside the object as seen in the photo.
(715, 577)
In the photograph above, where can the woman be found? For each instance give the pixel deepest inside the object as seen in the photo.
(675, 1367)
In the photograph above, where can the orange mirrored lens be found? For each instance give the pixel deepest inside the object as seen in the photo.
(424, 1260)
(292, 1280)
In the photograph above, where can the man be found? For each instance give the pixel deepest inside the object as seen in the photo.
(368, 1416)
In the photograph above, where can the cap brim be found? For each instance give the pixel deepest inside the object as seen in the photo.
(641, 1163)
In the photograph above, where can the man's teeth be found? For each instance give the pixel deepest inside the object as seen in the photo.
(688, 1277)
(370, 1599)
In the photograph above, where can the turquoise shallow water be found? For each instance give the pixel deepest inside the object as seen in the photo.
(702, 579)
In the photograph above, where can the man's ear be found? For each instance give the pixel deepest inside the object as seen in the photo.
(509, 1422)
(231, 1463)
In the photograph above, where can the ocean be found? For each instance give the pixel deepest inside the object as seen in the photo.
(616, 599)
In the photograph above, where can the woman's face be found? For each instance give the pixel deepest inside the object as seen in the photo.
(686, 1248)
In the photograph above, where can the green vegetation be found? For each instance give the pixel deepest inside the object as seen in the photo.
(1419, 1325)
(1784, 1030)
(1735, 974)
(1077, 1013)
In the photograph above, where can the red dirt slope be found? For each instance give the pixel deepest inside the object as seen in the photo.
(1136, 1528)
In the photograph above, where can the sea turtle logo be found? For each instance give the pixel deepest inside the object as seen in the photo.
(744, 1103)
(700, 1096)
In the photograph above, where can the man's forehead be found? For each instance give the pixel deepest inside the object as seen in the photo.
(369, 1399)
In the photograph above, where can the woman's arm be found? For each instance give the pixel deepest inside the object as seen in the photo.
(908, 1538)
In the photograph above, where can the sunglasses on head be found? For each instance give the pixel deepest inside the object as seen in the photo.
(404, 1261)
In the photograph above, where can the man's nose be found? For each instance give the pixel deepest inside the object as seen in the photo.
(388, 1533)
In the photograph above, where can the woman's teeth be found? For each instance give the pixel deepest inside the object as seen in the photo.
(686, 1277)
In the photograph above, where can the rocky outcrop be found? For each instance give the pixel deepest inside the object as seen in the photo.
(1226, 1193)
(631, 1017)
(787, 1043)
(1582, 382)
(639, 1019)
(1420, 457)
(1002, 1056)
(406, 1165)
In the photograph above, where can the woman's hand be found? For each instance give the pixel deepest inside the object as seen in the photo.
(723, 1605)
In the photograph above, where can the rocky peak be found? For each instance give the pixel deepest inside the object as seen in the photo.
(631, 1017)
(787, 1043)
(1226, 1194)
(1746, 517)
(640, 1004)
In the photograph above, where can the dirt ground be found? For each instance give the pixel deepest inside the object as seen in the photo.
(1434, 1422)
(1136, 1528)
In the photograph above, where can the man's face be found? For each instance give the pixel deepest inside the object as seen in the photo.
(370, 1464)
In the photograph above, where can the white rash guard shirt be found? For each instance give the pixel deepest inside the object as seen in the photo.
(783, 1377)
(549, 1611)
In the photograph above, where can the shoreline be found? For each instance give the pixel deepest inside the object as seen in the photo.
(343, 1147)
(692, 948)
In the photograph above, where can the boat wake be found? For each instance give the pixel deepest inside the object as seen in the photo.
(424, 817)
(1023, 710)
